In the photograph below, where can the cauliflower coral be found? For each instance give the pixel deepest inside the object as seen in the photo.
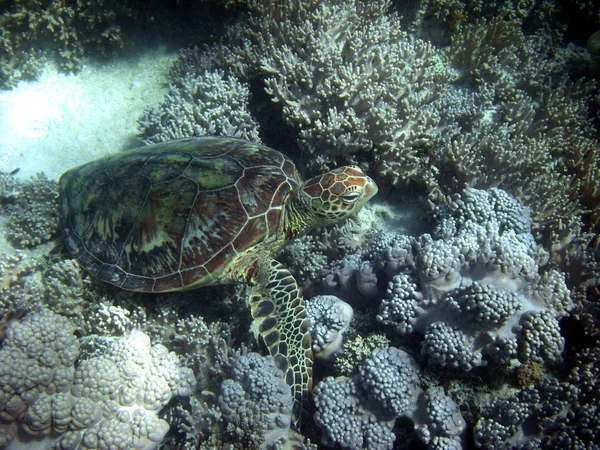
(478, 288)
(109, 401)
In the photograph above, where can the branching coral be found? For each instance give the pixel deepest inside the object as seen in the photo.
(209, 103)
(343, 74)
(34, 30)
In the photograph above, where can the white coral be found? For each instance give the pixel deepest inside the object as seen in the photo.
(110, 401)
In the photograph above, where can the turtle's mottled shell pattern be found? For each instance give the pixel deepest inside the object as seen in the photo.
(175, 215)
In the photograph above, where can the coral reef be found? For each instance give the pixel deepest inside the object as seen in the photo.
(349, 86)
(34, 31)
(494, 109)
(478, 290)
(359, 412)
(481, 291)
(31, 208)
(110, 400)
(208, 103)
(475, 325)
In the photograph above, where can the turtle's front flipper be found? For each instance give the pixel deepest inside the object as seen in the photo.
(278, 310)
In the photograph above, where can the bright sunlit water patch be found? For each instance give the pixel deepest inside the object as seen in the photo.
(61, 120)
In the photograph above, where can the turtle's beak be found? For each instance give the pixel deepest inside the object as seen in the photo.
(370, 188)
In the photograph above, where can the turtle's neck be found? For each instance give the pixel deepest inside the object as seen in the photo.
(300, 218)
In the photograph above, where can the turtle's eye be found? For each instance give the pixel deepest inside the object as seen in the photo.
(351, 197)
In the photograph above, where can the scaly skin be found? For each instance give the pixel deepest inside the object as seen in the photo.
(275, 299)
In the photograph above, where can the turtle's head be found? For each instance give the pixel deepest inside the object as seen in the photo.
(333, 196)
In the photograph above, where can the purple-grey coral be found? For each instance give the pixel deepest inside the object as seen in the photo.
(110, 400)
(256, 403)
(359, 412)
(543, 415)
(481, 290)
(208, 103)
(31, 208)
(349, 81)
(305, 258)
(17, 293)
(344, 414)
(390, 377)
(440, 424)
(328, 319)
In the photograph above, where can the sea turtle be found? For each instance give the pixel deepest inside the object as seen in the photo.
(208, 210)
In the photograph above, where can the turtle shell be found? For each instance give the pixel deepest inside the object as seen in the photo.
(175, 215)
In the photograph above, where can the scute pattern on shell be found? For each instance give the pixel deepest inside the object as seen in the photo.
(174, 215)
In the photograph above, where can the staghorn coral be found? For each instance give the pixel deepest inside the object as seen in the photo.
(355, 89)
(208, 103)
(437, 19)
(495, 109)
(342, 73)
(34, 31)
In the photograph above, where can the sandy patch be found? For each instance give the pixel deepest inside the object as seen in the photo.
(61, 121)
